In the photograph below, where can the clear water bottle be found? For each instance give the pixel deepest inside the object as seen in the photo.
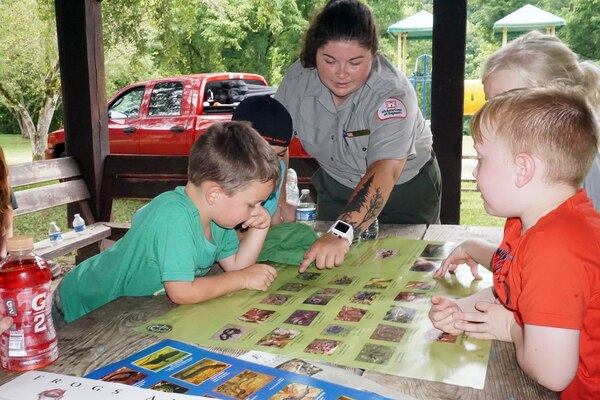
(292, 194)
(306, 210)
(371, 232)
(78, 224)
(26, 296)
(54, 233)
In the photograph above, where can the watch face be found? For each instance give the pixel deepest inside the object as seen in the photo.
(342, 227)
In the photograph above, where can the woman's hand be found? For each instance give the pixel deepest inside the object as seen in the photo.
(328, 251)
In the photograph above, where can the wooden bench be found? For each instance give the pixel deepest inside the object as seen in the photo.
(64, 185)
(137, 177)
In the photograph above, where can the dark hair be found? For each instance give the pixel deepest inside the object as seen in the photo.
(339, 20)
(233, 155)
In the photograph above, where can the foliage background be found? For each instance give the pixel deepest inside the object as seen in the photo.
(152, 38)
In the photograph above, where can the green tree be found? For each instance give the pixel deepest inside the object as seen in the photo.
(29, 76)
(582, 32)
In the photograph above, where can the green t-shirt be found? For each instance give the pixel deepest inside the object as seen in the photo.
(165, 243)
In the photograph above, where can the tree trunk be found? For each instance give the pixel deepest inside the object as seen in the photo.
(20, 111)
(37, 134)
(39, 140)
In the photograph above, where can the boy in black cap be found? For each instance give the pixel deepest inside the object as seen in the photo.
(274, 123)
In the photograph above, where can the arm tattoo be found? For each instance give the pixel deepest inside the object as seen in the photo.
(373, 205)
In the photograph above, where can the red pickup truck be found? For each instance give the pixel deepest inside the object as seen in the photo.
(165, 116)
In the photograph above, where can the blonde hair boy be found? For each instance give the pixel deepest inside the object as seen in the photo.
(534, 147)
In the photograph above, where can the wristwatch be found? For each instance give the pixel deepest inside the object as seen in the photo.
(342, 229)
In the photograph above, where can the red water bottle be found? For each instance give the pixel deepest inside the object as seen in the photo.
(26, 296)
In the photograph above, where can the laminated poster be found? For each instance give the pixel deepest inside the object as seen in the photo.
(369, 313)
(176, 367)
(41, 385)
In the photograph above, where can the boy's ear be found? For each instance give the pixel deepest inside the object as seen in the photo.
(213, 193)
(526, 167)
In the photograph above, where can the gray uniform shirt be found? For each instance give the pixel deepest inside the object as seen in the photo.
(379, 121)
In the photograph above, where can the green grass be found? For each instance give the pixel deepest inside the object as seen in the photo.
(16, 149)
(471, 208)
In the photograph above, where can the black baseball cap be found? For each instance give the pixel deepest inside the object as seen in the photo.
(268, 116)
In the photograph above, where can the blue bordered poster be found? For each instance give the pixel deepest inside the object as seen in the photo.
(176, 367)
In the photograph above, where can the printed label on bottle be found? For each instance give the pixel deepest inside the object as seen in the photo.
(79, 228)
(16, 344)
(306, 215)
(11, 307)
(55, 236)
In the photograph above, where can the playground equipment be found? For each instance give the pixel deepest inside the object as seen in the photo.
(474, 96)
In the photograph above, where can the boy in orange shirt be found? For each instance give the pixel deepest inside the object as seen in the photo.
(534, 147)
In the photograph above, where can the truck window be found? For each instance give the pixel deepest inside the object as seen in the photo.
(166, 99)
(128, 104)
(221, 96)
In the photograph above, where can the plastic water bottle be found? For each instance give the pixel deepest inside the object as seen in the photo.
(54, 233)
(292, 194)
(78, 224)
(26, 296)
(306, 210)
(371, 232)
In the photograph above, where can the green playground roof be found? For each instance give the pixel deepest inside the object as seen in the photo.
(417, 26)
(527, 18)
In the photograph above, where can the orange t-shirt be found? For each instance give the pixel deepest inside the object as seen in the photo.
(550, 276)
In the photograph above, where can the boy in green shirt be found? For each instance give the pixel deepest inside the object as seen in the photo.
(174, 242)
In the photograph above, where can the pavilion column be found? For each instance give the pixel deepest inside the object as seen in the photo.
(81, 54)
(447, 98)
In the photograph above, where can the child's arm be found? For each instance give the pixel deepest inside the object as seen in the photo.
(255, 277)
(251, 242)
(548, 355)
(470, 252)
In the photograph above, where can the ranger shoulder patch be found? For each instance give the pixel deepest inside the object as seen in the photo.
(391, 108)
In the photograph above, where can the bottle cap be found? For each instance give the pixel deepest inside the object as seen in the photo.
(76, 215)
(304, 191)
(19, 243)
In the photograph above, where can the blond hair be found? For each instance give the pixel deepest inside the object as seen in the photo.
(233, 155)
(5, 205)
(553, 123)
(539, 59)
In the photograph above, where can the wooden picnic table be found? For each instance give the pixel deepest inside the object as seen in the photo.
(106, 336)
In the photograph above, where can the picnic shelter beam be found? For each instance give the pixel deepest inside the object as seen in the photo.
(81, 60)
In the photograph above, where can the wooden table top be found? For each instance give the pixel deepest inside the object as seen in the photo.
(106, 336)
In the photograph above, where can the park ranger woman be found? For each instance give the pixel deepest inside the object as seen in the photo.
(357, 115)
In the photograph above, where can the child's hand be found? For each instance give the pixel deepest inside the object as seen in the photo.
(491, 321)
(260, 219)
(460, 255)
(442, 313)
(258, 276)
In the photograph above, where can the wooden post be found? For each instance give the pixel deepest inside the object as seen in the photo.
(399, 63)
(81, 54)
(447, 96)
(404, 55)
(504, 36)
